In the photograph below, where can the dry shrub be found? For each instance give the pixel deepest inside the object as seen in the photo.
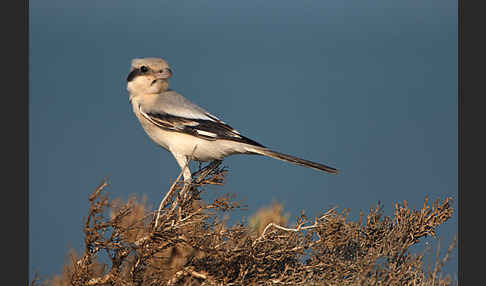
(266, 215)
(187, 244)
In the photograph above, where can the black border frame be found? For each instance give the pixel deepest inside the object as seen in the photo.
(471, 144)
(15, 136)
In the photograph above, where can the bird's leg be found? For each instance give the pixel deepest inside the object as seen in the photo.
(183, 162)
(187, 179)
(187, 175)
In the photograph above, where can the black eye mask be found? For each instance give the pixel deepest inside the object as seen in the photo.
(133, 74)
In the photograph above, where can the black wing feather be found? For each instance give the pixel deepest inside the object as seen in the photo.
(191, 126)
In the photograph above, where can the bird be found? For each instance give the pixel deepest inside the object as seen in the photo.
(186, 130)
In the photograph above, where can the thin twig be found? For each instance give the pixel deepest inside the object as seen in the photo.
(300, 227)
(169, 193)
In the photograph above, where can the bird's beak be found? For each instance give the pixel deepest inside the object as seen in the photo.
(164, 74)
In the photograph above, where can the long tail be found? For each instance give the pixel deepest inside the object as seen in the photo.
(294, 160)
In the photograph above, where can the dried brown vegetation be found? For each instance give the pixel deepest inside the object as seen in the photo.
(186, 243)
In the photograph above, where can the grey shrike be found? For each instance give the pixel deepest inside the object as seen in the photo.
(186, 130)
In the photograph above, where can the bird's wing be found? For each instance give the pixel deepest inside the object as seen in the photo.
(209, 127)
(173, 103)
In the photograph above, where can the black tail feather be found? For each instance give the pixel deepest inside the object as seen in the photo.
(295, 160)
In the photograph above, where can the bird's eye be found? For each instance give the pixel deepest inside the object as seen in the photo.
(143, 69)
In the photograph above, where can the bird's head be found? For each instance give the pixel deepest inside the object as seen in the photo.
(148, 76)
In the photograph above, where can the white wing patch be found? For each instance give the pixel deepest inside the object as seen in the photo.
(192, 123)
(206, 133)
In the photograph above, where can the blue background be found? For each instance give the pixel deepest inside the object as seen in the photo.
(369, 87)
